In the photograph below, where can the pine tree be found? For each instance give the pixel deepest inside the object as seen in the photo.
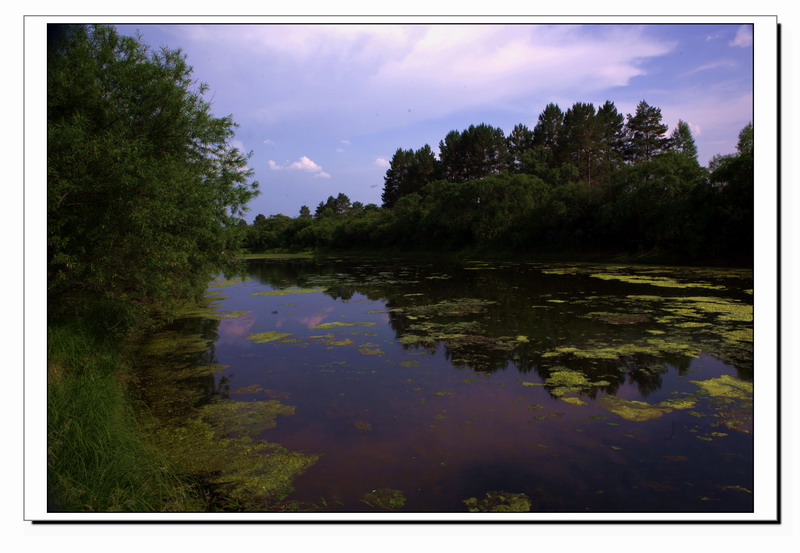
(681, 140)
(547, 131)
(519, 142)
(645, 134)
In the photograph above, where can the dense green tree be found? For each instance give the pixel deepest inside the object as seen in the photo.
(589, 201)
(744, 146)
(732, 178)
(144, 189)
(645, 133)
(305, 213)
(547, 132)
(681, 140)
(333, 207)
(476, 152)
(611, 139)
(519, 142)
(408, 172)
(580, 140)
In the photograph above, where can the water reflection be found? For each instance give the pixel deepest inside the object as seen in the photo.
(448, 381)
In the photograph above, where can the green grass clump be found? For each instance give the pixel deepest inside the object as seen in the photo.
(99, 458)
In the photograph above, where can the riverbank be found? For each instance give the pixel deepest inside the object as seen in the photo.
(468, 254)
(137, 422)
(101, 454)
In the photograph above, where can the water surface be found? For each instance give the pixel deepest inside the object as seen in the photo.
(587, 388)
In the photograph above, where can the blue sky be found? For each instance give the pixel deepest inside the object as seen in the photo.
(324, 107)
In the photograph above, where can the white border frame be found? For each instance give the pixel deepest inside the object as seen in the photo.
(766, 439)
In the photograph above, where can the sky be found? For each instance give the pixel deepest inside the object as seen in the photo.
(323, 108)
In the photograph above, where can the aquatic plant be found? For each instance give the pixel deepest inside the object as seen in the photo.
(290, 291)
(385, 498)
(499, 502)
(726, 386)
(268, 336)
(336, 324)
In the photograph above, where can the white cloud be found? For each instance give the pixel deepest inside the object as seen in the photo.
(340, 150)
(744, 37)
(382, 162)
(304, 164)
(344, 141)
(710, 66)
(363, 77)
(269, 142)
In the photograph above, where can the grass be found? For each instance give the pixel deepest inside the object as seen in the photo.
(100, 456)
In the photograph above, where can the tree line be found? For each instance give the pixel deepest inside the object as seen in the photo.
(587, 180)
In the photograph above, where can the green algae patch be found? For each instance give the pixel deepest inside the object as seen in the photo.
(370, 351)
(523, 339)
(726, 386)
(565, 381)
(290, 291)
(268, 336)
(219, 445)
(618, 318)
(345, 342)
(499, 502)
(679, 403)
(385, 498)
(633, 410)
(574, 401)
(409, 363)
(251, 389)
(451, 308)
(174, 343)
(227, 282)
(362, 425)
(336, 324)
(665, 282)
(654, 347)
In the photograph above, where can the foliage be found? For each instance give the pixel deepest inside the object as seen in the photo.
(584, 180)
(144, 189)
(645, 133)
(98, 456)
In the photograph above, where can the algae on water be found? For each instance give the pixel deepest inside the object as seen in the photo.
(499, 502)
(268, 336)
(385, 498)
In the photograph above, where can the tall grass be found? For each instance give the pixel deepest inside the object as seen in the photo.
(99, 456)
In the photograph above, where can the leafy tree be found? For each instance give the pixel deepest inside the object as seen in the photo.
(305, 213)
(732, 179)
(645, 133)
(681, 140)
(144, 189)
(744, 145)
